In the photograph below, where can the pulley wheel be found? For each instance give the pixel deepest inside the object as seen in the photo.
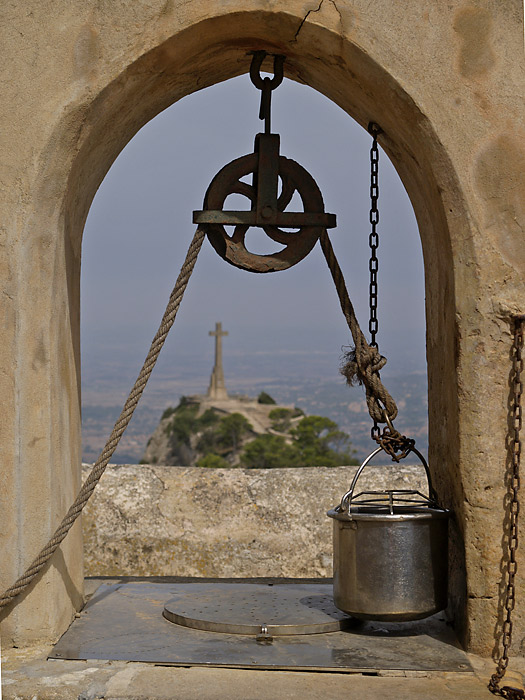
(298, 243)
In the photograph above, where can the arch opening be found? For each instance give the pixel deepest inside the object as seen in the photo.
(365, 91)
(285, 328)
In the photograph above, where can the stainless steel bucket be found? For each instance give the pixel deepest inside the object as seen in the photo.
(390, 552)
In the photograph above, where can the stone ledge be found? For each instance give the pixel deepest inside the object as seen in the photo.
(28, 675)
(187, 521)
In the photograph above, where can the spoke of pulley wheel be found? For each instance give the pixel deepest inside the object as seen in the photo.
(244, 189)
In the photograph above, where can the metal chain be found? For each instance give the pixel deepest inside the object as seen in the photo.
(373, 242)
(373, 238)
(396, 445)
(512, 566)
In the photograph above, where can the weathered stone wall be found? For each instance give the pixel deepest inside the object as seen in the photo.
(186, 521)
(444, 80)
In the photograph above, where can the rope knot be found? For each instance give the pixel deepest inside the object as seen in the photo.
(360, 367)
(377, 361)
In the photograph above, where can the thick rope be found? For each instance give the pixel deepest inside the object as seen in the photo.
(365, 361)
(118, 430)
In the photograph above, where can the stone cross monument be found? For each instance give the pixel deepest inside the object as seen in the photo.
(217, 388)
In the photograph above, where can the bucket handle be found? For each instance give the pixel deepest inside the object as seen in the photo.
(347, 498)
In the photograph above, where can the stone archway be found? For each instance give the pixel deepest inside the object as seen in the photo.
(108, 71)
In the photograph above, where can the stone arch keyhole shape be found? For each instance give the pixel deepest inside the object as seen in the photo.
(173, 58)
(363, 89)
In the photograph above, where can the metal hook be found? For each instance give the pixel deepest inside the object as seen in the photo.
(255, 70)
(388, 421)
(374, 130)
(266, 85)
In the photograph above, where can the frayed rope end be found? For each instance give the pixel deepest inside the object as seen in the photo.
(350, 369)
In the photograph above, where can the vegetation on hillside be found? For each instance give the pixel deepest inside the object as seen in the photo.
(282, 418)
(315, 441)
(265, 398)
(213, 439)
(185, 422)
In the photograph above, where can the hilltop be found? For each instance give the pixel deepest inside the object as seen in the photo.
(243, 431)
(219, 430)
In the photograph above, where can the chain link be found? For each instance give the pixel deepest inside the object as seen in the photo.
(514, 486)
(396, 445)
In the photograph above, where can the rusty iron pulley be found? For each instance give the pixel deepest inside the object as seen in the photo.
(274, 181)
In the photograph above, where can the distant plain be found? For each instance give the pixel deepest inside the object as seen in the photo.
(310, 381)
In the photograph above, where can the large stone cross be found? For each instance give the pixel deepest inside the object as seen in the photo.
(217, 388)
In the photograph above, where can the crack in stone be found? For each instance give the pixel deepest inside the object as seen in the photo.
(338, 12)
(305, 18)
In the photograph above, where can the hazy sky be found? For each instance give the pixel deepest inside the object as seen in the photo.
(140, 225)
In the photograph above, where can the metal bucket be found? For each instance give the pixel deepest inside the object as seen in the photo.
(390, 552)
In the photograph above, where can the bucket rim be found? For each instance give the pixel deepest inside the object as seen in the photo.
(419, 513)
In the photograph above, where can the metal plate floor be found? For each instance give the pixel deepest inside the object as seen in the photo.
(124, 621)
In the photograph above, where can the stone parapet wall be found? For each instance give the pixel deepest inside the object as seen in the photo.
(186, 521)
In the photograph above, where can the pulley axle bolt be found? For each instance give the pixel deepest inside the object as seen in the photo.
(267, 212)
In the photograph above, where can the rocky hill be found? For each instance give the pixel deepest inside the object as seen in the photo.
(242, 431)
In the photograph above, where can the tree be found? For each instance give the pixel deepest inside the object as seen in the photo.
(265, 398)
(316, 441)
(212, 461)
(268, 452)
(281, 419)
(232, 429)
(184, 422)
(207, 443)
(320, 442)
(209, 417)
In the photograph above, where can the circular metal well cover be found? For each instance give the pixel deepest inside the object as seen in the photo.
(249, 608)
